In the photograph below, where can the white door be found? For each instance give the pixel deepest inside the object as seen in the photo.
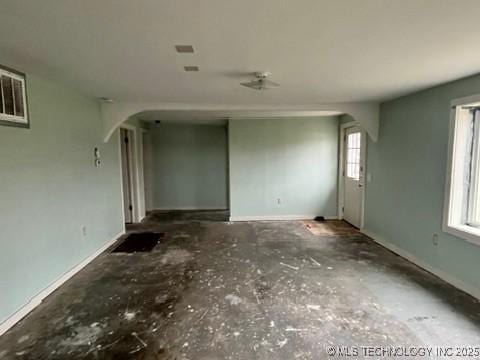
(353, 176)
(125, 142)
(147, 170)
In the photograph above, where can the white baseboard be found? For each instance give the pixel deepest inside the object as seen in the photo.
(180, 208)
(37, 299)
(459, 284)
(278, 217)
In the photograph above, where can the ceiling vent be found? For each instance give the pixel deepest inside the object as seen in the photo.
(184, 48)
(191, 68)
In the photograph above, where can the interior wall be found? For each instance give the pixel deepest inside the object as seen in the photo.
(404, 200)
(50, 188)
(285, 167)
(189, 166)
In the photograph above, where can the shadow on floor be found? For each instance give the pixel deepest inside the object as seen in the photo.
(189, 215)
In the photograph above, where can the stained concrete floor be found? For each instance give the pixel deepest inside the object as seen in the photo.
(251, 290)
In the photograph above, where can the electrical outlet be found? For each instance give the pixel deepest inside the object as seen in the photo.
(84, 230)
(435, 239)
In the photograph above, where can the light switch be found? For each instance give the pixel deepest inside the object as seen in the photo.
(96, 156)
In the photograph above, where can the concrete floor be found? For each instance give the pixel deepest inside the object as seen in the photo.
(251, 290)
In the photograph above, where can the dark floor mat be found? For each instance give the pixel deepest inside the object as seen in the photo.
(139, 242)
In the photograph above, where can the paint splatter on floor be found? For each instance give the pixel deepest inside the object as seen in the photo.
(219, 290)
(330, 228)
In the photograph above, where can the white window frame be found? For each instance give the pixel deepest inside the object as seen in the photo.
(359, 164)
(453, 223)
(13, 120)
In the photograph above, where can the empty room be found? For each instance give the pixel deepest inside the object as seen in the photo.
(269, 179)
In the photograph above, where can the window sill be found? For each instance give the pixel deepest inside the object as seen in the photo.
(465, 232)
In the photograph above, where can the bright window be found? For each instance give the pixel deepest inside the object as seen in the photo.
(13, 104)
(462, 205)
(353, 155)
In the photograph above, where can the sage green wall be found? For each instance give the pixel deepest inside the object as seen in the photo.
(49, 188)
(291, 159)
(189, 166)
(404, 200)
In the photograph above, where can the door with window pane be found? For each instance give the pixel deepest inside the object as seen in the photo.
(353, 176)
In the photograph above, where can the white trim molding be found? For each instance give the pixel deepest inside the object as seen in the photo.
(137, 183)
(279, 217)
(37, 299)
(455, 188)
(367, 113)
(459, 284)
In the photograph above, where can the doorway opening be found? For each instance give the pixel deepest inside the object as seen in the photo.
(351, 174)
(129, 175)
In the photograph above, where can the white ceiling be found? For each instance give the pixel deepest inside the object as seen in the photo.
(318, 50)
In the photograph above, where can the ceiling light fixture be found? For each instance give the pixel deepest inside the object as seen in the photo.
(260, 82)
